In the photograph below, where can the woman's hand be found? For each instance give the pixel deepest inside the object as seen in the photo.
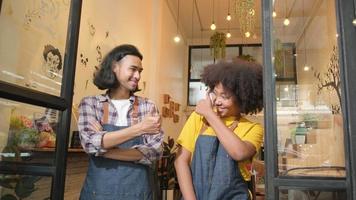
(205, 106)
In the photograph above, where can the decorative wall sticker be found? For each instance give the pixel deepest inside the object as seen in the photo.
(43, 15)
(92, 29)
(52, 61)
(106, 34)
(99, 56)
(330, 80)
(86, 84)
(30, 15)
(84, 60)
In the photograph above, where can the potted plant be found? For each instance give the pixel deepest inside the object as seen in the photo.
(167, 176)
(217, 45)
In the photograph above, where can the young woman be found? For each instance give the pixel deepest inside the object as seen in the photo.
(217, 142)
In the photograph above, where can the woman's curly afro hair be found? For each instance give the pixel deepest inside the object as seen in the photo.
(242, 78)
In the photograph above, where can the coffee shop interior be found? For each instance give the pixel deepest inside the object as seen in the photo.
(47, 66)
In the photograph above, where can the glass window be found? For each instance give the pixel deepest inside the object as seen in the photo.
(32, 44)
(25, 187)
(200, 56)
(308, 93)
(28, 133)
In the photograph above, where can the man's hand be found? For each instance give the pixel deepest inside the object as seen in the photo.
(150, 125)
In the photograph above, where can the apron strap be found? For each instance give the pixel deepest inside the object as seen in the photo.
(205, 126)
(106, 113)
(134, 114)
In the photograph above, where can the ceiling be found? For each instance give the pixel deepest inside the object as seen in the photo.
(196, 23)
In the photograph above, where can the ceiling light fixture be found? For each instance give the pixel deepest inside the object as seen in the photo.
(306, 66)
(354, 21)
(213, 26)
(228, 17)
(274, 14)
(177, 37)
(286, 21)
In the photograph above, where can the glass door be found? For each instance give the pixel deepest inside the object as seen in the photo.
(38, 47)
(307, 139)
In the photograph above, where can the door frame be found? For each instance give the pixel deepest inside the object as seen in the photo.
(63, 103)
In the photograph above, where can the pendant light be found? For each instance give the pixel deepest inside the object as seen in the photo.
(306, 66)
(228, 17)
(354, 21)
(286, 21)
(177, 37)
(213, 26)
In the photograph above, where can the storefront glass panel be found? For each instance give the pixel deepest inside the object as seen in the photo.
(32, 43)
(308, 90)
(27, 133)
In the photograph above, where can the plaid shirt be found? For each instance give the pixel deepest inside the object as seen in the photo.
(91, 111)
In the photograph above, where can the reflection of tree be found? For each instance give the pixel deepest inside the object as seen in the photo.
(330, 80)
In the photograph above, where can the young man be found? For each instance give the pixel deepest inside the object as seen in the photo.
(120, 131)
(217, 142)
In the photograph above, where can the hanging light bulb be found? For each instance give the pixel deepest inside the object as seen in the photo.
(354, 22)
(247, 34)
(213, 26)
(228, 35)
(228, 17)
(274, 14)
(306, 68)
(177, 38)
(286, 22)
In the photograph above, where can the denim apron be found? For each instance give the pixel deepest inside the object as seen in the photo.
(109, 179)
(216, 176)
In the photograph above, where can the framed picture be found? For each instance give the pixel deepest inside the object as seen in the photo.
(166, 98)
(165, 111)
(175, 118)
(176, 106)
(171, 105)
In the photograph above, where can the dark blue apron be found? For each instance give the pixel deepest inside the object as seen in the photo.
(109, 179)
(216, 176)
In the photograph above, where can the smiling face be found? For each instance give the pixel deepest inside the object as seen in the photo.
(224, 101)
(128, 72)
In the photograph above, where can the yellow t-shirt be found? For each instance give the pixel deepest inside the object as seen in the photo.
(246, 130)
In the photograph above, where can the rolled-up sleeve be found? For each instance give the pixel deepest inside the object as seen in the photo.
(90, 137)
(152, 146)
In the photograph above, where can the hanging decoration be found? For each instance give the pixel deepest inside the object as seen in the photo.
(217, 45)
(245, 13)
